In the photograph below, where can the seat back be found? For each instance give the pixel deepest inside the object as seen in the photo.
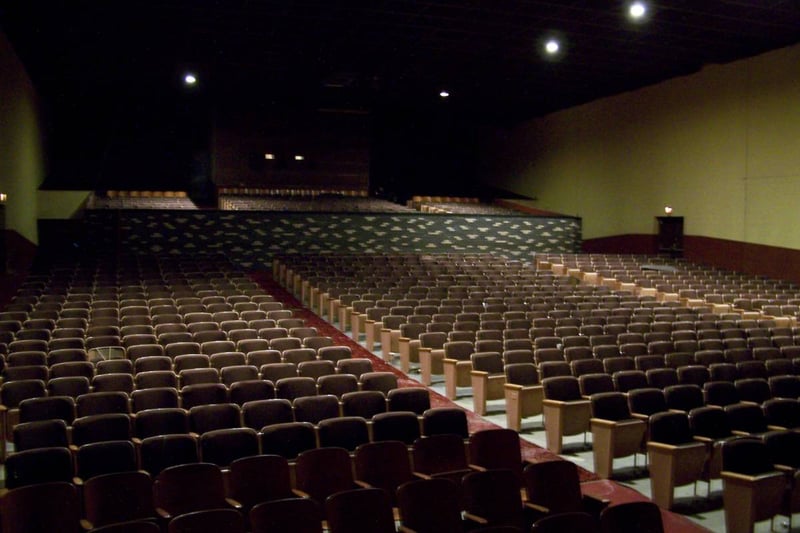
(496, 448)
(223, 446)
(430, 505)
(554, 485)
(288, 439)
(21, 508)
(118, 497)
(322, 472)
(208, 521)
(439, 454)
(299, 515)
(189, 487)
(39, 465)
(98, 458)
(494, 496)
(259, 478)
(631, 517)
(364, 510)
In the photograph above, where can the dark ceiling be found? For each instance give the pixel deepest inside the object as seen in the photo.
(367, 53)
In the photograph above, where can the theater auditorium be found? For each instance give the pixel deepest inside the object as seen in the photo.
(399, 266)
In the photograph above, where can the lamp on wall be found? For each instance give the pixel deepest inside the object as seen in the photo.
(668, 210)
(3, 197)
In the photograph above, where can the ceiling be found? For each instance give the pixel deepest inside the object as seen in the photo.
(366, 53)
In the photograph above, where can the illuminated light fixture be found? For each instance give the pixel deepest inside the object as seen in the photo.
(190, 79)
(637, 10)
(552, 46)
(269, 156)
(299, 158)
(444, 94)
(3, 197)
(667, 209)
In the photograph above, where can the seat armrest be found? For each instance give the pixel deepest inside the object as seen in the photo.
(475, 518)
(727, 474)
(661, 446)
(538, 508)
(557, 403)
(233, 503)
(602, 422)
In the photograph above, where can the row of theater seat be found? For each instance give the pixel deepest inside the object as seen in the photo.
(557, 397)
(350, 204)
(735, 444)
(364, 393)
(683, 444)
(297, 264)
(179, 356)
(489, 462)
(167, 436)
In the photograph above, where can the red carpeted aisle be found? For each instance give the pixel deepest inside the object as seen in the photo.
(605, 489)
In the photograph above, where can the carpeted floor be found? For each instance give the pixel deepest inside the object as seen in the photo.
(593, 485)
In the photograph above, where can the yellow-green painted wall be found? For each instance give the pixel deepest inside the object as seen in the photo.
(61, 205)
(22, 160)
(721, 146)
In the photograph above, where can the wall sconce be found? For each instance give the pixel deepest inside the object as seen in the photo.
(3, 197)
(667, 210)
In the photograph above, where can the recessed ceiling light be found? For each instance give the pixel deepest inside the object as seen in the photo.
(190, 79)
(444, 94)
(552, 46)
(637, 10)
(299, 158)
(269, 156)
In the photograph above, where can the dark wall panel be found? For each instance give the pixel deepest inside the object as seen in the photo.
(253, 238)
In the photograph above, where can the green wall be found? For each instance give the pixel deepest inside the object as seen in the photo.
(22, 163)
(721, 146)
(61, 205)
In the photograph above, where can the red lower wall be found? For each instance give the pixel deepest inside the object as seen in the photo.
(757, 259)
